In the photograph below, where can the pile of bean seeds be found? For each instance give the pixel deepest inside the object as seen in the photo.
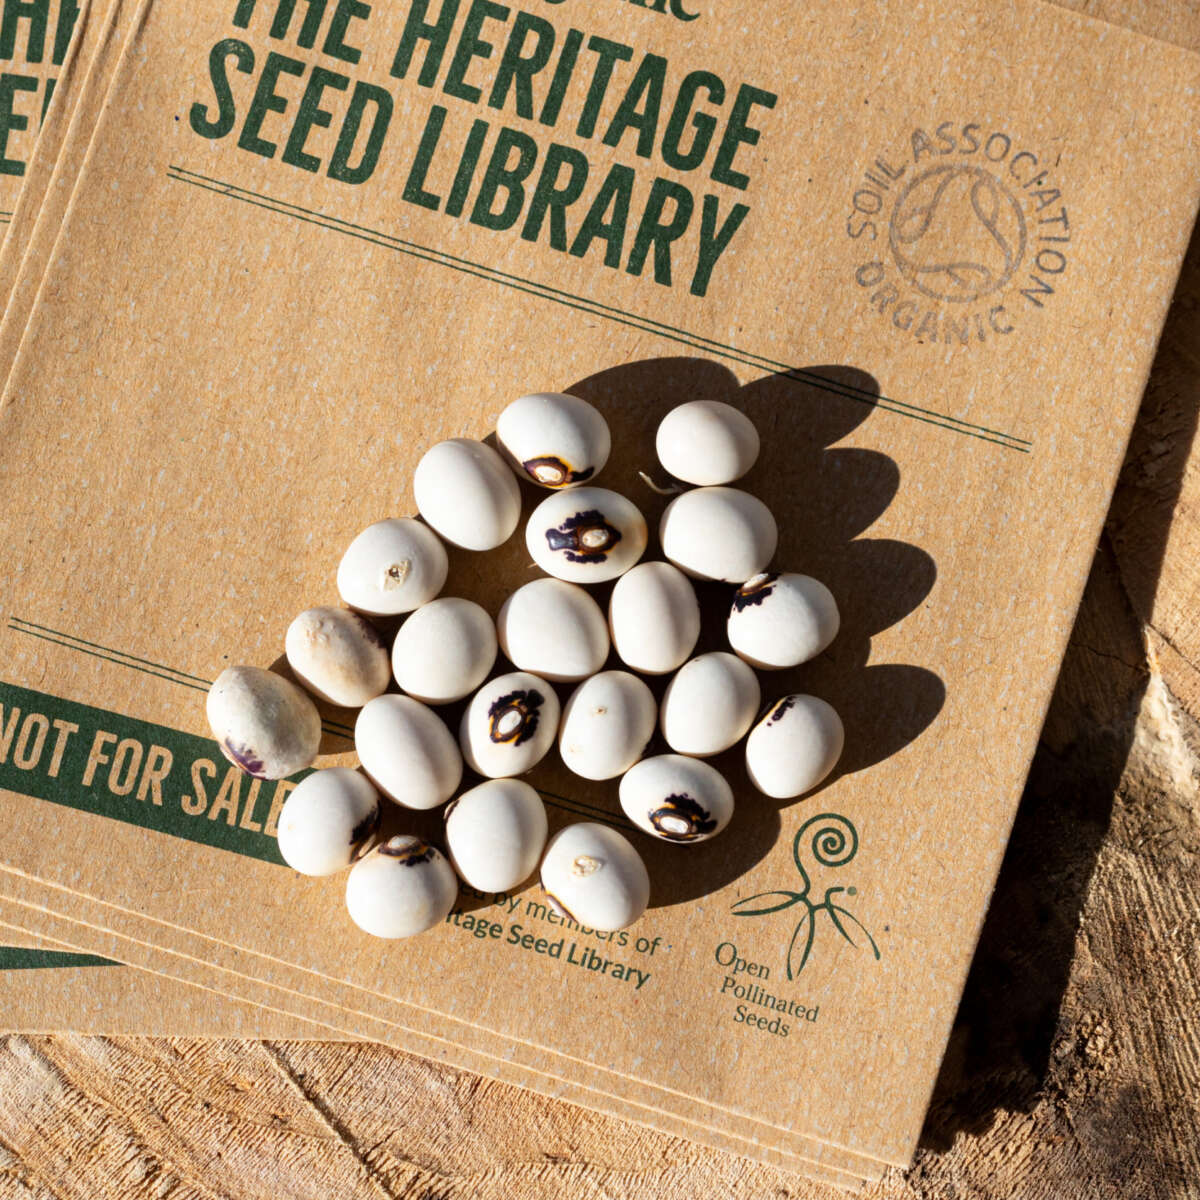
(551, 630)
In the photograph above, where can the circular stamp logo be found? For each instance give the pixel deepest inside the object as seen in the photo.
(964, 232)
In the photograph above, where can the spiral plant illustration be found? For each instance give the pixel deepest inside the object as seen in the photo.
(834, 842)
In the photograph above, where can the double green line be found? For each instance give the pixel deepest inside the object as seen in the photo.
(134, 663)
(595, 308)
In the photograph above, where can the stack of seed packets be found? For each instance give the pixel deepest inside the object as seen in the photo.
(283, 250)
(52, 51)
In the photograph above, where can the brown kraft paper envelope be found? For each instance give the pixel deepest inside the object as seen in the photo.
(37, 908)
(27, 193)
(76, 144)
(279, 1005)
(36, 46)
(44, 989)
(47, 988)
(1117, 372)
(21, 980)
(870, 1168)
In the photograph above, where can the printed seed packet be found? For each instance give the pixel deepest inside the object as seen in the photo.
(304, 248)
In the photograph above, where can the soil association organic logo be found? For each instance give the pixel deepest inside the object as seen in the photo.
(833, 843)
(964, 233)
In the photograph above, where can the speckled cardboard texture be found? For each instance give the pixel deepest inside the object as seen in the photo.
(36, 50)
(46, 987)
(164, 1014)
(29, 198)
(262, 444)
(149, 961)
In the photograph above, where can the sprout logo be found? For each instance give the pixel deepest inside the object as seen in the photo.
(832, 843)
(957, 233)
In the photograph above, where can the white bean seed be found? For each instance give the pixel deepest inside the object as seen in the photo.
(606, 725)
(779, 621)
(707, 442)
(654, 618)
(400, 888)
(264, 723)
(677, 798)
(594, 876)
(509, 725)
(392, 567)
(445, 650)
(496, 833)
(407, 750)
(338, 655)
(718, 533)
(709, 704)
(325, 823)
(553, 629)
(795, 745)
(553, 439)
(467, 494)
(586, 535)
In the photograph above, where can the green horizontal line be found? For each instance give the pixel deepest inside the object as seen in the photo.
(96, 645)
(573, 800)
(844, 389)
(578, 812)
(105, 657)
(581, 808)
(592, 307)
(143, 665)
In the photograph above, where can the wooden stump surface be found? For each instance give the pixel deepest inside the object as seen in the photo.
(1074, 1067)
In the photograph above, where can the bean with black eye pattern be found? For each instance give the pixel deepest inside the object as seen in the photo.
(778, 621)
(677, 798)
(587, 535)
(509, 725)
(553, 440)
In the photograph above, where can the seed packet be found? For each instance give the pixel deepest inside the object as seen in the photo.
(300, 253)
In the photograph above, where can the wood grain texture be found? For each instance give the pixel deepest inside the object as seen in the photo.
(1074, 1067)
